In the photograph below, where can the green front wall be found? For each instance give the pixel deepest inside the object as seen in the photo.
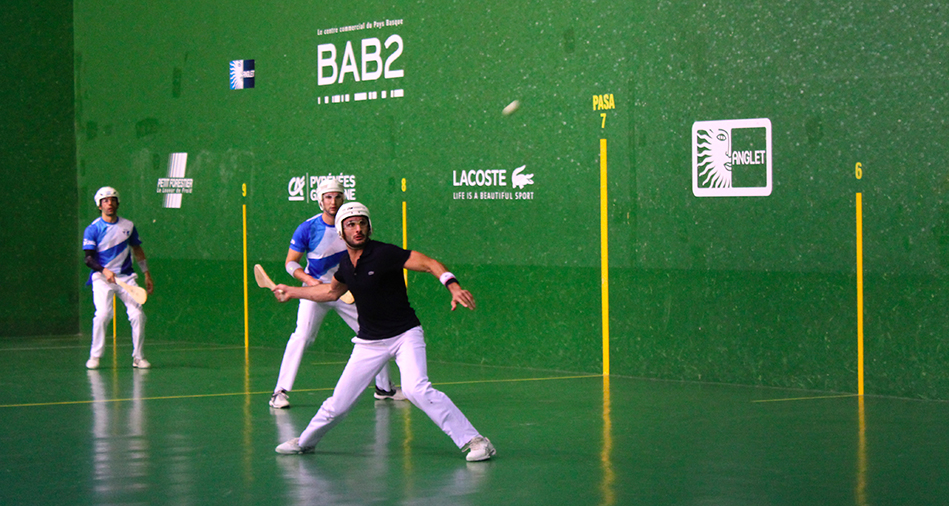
(752, 290)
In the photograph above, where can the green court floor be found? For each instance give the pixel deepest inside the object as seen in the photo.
(196, 429)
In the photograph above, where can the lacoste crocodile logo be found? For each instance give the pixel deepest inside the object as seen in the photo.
(519, 180)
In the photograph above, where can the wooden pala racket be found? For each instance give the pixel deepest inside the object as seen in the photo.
(263, 280)
(138, 293)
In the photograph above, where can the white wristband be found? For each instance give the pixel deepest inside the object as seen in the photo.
(292, 267)
(447, 278)
(143, 265)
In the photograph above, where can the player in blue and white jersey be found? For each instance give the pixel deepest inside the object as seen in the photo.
(318, 240)
(109, 244)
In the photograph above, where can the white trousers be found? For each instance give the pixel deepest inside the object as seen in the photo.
(102, 292)
(309, 318)
(368, 357)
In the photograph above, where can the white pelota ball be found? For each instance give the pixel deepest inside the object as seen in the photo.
(511, 108)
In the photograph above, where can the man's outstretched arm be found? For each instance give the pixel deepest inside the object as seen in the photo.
(324, 292)
(421, 263)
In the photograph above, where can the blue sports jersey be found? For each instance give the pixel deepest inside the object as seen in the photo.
(322, 246)
(112, 241)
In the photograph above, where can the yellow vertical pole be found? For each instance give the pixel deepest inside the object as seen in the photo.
(248, 419)
(604, 259)
(405, 233)
(115, 356)
(859, 294)
(861, 491)
(246, 310)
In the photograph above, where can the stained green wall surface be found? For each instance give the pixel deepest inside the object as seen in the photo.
(754, 290)
(37, 160)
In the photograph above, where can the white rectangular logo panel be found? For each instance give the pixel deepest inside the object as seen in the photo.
(732, 158)
(176, 183)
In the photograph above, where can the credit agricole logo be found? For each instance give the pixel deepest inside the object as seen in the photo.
(731, 158)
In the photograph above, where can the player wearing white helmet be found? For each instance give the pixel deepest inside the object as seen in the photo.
(109, 243)
(388, 328)
(317, 239)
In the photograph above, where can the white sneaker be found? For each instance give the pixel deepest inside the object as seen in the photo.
(280, 400)
(140, 363)
(480, 448)
(395, 394)
(293, 447)
(92, 363)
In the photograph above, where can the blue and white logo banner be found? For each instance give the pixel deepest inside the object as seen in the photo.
(242, 74)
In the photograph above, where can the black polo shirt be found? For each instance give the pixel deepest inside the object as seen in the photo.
(378, 286)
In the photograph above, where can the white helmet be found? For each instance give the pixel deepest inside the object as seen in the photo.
(348, 210)
(104, 193)
(328, 185)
